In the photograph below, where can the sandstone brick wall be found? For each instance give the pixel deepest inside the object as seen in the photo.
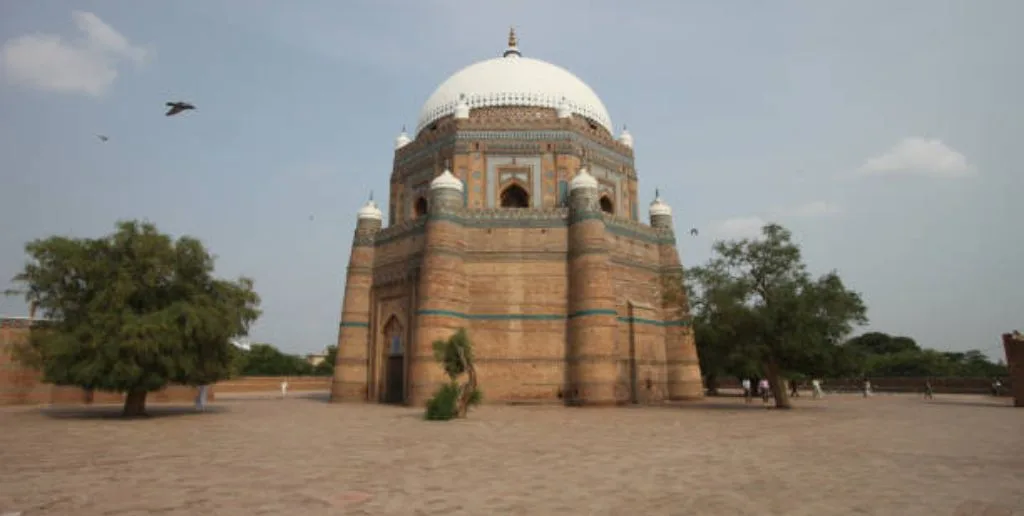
(424, 158)
(20, 385)
(253, 384)
(1013, 344)
(516, 304)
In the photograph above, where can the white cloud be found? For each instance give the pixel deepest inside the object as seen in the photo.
(750, 226)
(738, 227)
(87, 65)
(919, 156)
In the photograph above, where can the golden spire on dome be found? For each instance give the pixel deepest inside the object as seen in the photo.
(513, 44)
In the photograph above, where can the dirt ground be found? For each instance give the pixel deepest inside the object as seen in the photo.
(886, 455)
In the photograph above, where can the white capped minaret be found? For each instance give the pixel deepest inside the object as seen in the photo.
(661, 213)
(625, 138)
(402, 140)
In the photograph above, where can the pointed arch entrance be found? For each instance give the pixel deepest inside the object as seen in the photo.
(394, 369)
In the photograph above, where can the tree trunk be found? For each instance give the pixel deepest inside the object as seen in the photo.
(135, 403)
(468, 389)
(712, 383)
(778, 386)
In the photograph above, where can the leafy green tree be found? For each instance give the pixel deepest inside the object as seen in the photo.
(132, 312)
(877, 343)
(773, 312)
(881, 354)
(719, 340)
(455, 355)
(267, 360)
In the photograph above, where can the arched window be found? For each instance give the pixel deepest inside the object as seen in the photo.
(393, 337)
(515, 196)
(420, 209)
(606, 205)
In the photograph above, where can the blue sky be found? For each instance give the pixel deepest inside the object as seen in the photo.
(884, 134)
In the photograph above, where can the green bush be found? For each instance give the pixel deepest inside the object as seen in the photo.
(443, 406)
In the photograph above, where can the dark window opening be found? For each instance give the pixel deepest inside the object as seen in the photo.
(420, 209)
(515, 196)
(607, 206)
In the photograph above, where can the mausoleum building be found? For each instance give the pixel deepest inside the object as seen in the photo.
(513, 213)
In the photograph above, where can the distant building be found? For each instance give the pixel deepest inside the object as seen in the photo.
(316, 359)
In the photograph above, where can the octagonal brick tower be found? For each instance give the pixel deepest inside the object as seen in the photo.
(513, 212)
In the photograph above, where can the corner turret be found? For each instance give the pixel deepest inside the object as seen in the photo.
(660, 212)
(351, 368)
(593, 319)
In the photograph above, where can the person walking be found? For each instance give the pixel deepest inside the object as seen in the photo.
(867, 387)
(928, 389)
(816, 385)
(765, 389)
(747, 393)
(794, 390)
(284, 389)
(201, 398)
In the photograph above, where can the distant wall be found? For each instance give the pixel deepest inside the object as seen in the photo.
(20, 385)
(248, 384)
(950, 385)
(1013, 344)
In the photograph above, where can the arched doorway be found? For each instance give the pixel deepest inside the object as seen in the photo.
(394, 372)
(606, 205)
(420, 209)
(515, 196)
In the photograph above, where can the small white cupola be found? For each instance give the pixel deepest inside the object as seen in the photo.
(446, 180)
(402, 140)
(462, 108)
(564, 110)
(582, 179)
(370, 211)
(658, 206)
(625, 138)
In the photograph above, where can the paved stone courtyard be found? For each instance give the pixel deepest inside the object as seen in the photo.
(887, 455)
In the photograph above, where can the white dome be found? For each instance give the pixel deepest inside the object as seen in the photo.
(658, 207)
(369, 211)
(513, 80)
(446, 180)
(583, 179)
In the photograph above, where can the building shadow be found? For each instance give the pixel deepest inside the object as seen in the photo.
(985, 402)
(113, 412)
(726, 406)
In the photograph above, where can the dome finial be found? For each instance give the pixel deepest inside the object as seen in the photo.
(371, 195)
(513, 44)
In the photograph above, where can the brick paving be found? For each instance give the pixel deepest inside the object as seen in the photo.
(886, 455)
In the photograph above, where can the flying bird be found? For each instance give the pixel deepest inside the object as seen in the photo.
(102, 138)
(694, 232)
(178, 107)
